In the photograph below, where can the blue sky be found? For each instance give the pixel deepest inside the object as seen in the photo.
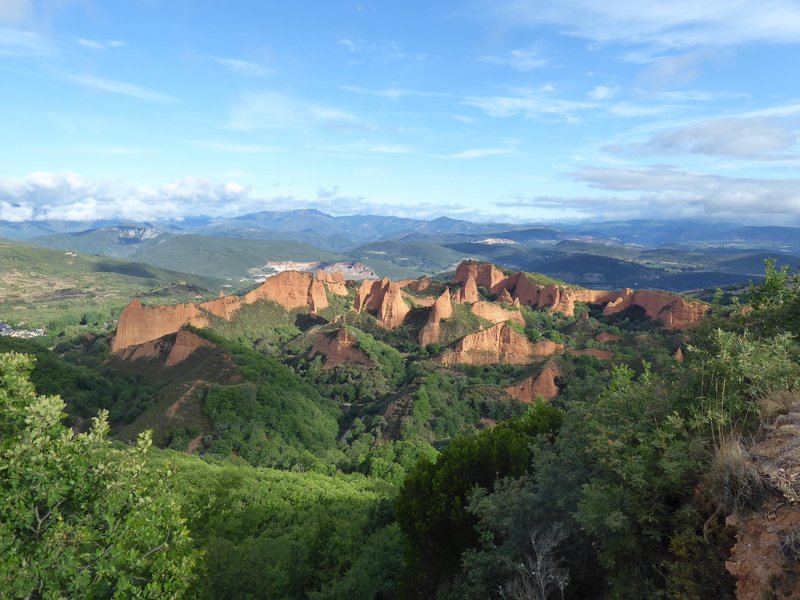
(505, 109)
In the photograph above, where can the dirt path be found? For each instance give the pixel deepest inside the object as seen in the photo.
(175, 406)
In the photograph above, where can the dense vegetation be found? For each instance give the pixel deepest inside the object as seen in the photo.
(392, 481)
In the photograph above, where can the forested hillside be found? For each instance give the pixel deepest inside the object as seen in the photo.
(484, 435)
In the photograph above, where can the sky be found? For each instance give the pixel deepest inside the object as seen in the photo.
(513, 110)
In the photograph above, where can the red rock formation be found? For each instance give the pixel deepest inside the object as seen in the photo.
(672, 310)
(606, 338)
(393, 308)
(291, 290)
(543, 385)
(138, 324)
(333, 281)
(496, 314)
(384, 297)
(224, 306)
(498, 344)
(419, 285)
(442, 309)
(185, 344)
(468, 291)
(485, 274)
(679, 355)
(505, 297)
(339, 349)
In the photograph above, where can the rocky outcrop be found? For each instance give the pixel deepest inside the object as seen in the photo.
(679, 355)
(496, 314)
(138, 323)
(339, 349)
(334, 282)
(185, 344)
(505, 297)
(468, 292)
(541, 386)
(441, 309)
(384, 299)
(672, 310)
(483, 274)
(420, 285)
(498, 344)
(291, 289)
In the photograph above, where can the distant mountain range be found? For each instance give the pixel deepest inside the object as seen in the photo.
(674, 255)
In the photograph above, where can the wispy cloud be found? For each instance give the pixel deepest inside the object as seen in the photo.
(520, 59)
(480, 153)
(120, 87)
(768, 138)
(602, 92)
(236, 148)
(667, 23)
(13, 11)
(271, 110)
(96, 45)
(531, 105)
(386, 52)
(393, 93)
(242, 67)
(18, 42)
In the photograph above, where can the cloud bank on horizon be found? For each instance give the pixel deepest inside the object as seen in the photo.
(518, 109)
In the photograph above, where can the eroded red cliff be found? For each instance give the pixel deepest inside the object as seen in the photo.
(543, 385)
(340, 348)
(498, 344)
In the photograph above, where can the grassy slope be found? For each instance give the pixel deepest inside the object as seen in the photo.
(44, 288)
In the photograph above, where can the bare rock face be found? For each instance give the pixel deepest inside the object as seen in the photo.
(543, 385)
(339, 349)
(496, 314)
(291, 289)
(756, 560)
(333, 281)
(498, 344)
(505, 297)
(441, 309)
(138, 323)
(679, 355)
(384, 297)
(672, 310)
(224, 306)
(419, 285)
(393, 309)
(484, 274)
(185, 344)
(468, 292)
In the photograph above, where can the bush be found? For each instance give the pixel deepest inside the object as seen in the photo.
(735, 481)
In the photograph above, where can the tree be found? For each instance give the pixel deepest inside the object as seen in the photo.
(80, 517)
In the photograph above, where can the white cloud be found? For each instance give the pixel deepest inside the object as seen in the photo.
(67, 196)
(667, 23)
(530, 105)
(481, 152)
(17, 42)
(387, 52)
(668, 188)
(271, 110)
(393, 93)
(121, 87)
(95, 45)
(13, 11)
(754, 137)
(520, 59)
(602, 92)
(243, 67)
(236, 148)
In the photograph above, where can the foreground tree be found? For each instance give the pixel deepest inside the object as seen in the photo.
(80, 518)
